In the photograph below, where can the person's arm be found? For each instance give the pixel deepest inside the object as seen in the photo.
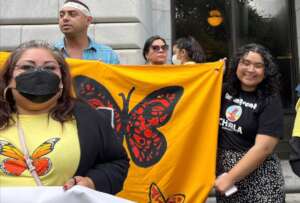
(263, 147)
(295, 155)
(109, 174)
(111, 170)
(104, 162)
(295, 143)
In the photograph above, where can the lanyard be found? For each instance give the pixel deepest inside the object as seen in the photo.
(27, 158)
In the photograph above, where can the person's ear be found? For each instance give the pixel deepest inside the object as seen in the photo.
(184, 53)
(147, 56)
(89, 19)
(180, 54)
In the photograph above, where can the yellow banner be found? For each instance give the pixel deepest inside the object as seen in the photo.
(167, 117)
(3, 57)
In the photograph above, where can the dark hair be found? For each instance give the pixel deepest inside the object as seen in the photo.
(79, 2)
(149, 42)
(63, 109)
(270, 84)
(194, 49)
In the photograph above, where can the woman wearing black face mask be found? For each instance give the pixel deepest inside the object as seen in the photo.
(47, 137)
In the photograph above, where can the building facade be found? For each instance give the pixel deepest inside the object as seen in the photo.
(122, 24)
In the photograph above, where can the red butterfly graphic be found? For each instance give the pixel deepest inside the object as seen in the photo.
(156, 196)
(15, 165)
(145, 143)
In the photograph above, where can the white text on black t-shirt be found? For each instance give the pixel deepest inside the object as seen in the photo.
(241, 102)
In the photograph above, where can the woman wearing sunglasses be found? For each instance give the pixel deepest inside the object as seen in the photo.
(155, 50)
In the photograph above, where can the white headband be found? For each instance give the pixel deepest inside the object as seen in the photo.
(78, 6)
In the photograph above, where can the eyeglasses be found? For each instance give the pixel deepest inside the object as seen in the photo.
(246, 62)
(29, 67)
(157, 48)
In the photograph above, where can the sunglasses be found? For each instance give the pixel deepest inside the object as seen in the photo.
(157, 48)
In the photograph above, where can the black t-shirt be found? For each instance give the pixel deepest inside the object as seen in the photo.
(245, 116)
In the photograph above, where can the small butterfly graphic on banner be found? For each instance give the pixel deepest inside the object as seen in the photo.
(156, 196)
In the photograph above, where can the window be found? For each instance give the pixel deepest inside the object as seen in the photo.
(191, 18)
(268, 22)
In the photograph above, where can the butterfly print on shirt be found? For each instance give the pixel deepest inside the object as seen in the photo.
(15, 165)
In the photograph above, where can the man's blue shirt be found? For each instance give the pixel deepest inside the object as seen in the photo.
(94, 51)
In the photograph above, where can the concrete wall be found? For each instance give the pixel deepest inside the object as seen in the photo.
(297, 9)
(122, 24)
(161, 19)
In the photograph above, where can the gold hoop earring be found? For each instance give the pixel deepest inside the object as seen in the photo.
(61, 85)
(4, 93)
(61, 89)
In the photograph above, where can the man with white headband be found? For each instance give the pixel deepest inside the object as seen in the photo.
(74, 20)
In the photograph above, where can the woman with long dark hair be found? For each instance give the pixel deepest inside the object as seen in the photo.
(47, 137)
(251, 123)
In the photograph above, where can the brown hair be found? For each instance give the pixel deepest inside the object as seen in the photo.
(63, 109)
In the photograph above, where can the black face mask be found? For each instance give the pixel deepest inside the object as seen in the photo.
(38, 86)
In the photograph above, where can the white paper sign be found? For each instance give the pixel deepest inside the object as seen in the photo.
(76, 194)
